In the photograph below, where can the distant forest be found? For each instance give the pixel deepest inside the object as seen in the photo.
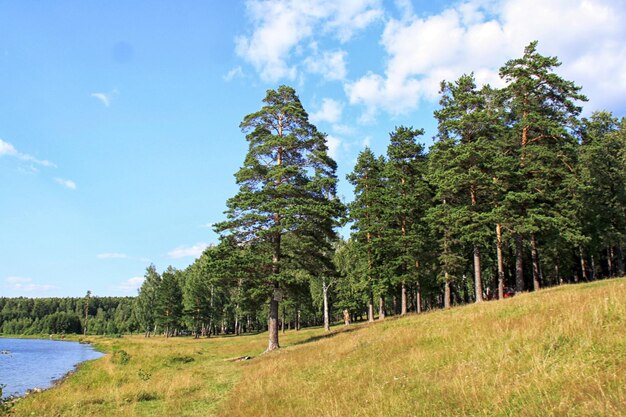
(518, 192)
(100, 315)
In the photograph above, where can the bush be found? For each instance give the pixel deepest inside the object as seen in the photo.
(120, 357)
(180, 360)
(6, 404)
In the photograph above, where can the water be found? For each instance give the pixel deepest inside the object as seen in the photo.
(35, 363)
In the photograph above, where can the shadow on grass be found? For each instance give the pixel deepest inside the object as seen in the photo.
(333, 333)
(231, 335)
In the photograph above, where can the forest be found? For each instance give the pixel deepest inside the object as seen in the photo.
(87, 315)
(517, 192)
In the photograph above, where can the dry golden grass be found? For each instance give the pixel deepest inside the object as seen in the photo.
(163, 377)
(561, 351)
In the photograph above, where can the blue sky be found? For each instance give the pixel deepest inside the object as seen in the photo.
(119, 120)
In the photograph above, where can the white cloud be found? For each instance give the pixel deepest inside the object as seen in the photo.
(280, 27)
(330, 65)
(481, 35)
(69, 184)
(188, 251)
(330, 112)
(29, 170)
(343, 129)
(334, 144)
(112, 255)
(130, 285)
(236, 72)
(105, 98)
(27, 285)
(349, 16)
(17, 280)
(405, 7)
(7, 149)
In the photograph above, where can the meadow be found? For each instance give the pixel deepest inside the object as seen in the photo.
(556, 352)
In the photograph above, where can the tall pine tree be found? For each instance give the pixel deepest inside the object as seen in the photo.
(286, 185)
(366, 214)
(407, 197)
(543, 112)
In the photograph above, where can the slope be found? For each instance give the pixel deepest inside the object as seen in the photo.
(560, 351)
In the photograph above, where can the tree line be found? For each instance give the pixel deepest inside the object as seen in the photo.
(80, 315)
(517, 192)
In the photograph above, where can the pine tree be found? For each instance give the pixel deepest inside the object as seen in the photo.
(351, 290)
(169, 301)
(366, 214)
(543, 112)
(447, 214)
(286, 185)
(197, 298)
(602, 170)
(146, 301)
(407, 198)
(466, 123)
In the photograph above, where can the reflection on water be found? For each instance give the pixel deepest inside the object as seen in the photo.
(28, 363)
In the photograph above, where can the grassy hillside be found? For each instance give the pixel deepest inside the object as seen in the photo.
(561, 351)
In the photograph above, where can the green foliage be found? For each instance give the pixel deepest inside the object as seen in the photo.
(177, 360)
(407, 197)
(144, 375)
(368, 220)
(6, 403)
(169, 297)
(517, 160)
(145, 303)
(120, 357)
(107, 315)
(285, 210)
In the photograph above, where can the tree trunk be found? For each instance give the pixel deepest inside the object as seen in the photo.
(583, 264)
(446, 291)
(534, 253)
(282, 322)
(272, 322)
(298, 320)
(326, 312)
(519, 263)
(272, 325)
(478, 284)
(593, 267)
(500, 262)
(381, 308)
(620, 260)
(370, 308)
(609, 260)
(418, 299)
(403, 300)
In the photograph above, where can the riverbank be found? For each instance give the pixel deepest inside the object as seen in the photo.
(154, 376)
(34, 364)
(560, 351)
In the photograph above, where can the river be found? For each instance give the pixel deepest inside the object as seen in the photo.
(33, 363)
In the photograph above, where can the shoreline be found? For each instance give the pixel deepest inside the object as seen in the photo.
(55, 381)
